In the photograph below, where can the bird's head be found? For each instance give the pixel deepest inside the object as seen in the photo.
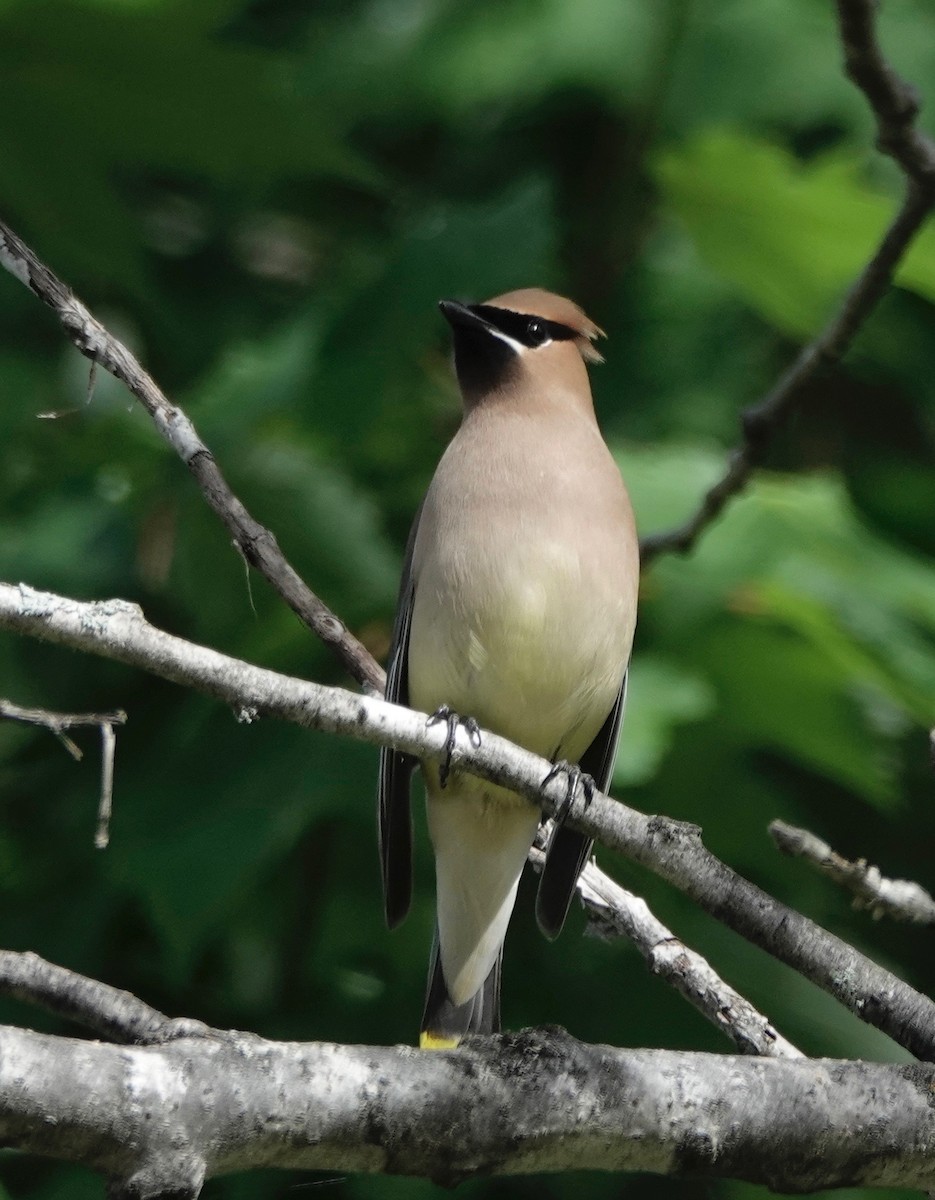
(527, 338)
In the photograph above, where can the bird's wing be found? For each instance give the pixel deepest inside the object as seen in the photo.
(395, 767)
(568, 849)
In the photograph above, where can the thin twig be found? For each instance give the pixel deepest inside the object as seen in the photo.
(254, 541)
(105, 808)
(614, 912)
(899, 898)
(57, 723)
(895, 106)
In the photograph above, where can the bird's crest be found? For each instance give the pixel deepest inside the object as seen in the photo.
(537, 302)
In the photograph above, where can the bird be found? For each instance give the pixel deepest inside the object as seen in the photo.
(516, 613)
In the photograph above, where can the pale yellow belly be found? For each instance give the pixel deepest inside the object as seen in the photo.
(536, 657)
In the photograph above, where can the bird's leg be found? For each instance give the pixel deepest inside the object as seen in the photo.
(453, 720)
(574, 775)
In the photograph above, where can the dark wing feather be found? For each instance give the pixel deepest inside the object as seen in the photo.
(395, 767)
(569, 850)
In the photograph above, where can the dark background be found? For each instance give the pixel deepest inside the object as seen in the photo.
(266, 200)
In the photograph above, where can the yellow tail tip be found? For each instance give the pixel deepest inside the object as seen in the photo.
(434, 1041)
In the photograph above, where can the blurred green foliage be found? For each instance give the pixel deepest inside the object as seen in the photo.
(266, 199)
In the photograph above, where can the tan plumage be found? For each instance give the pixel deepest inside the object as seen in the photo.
(518, 609)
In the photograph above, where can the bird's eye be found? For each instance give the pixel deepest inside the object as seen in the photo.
(536, 332)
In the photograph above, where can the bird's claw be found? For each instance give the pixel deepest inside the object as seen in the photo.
(452, 721)
(574, 776)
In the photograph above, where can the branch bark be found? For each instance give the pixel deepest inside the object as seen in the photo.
(161, 1120)
(671, 849)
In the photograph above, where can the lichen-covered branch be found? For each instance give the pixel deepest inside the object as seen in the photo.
(162, 1119)
(108, 1011)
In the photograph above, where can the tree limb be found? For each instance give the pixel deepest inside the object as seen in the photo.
(895, 107)
(162, 1120)
(673, 850)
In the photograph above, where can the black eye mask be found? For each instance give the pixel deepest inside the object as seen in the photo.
(528, 330)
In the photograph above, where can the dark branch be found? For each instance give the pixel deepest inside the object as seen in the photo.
(255, 542)
(895, 102)
(895, 106)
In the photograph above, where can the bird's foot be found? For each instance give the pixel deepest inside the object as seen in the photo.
(574, 776)
(453, 720)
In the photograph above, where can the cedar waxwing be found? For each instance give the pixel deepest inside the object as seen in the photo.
(517, 609)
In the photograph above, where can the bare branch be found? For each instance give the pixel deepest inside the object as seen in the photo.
(899, 898)
(105, 808)
(895, 102)
(615, 912)
(108, 1011)
(58, 722)
(256, 543)
(895, 106)
(672, 849)
(162, 1120)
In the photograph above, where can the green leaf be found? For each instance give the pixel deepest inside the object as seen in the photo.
(816, 633)
(198, 838)
(779, 693)
(790, 237)
(661, 697)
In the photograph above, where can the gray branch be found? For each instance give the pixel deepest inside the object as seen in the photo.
(899, 898)
(673, 850)
(57, 723)
(162, 1120)
(615, 912)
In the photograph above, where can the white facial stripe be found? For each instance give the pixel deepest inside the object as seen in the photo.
(515, 346)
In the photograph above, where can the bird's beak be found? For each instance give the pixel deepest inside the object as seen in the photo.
(456, 313)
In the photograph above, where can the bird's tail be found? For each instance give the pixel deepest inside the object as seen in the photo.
(445, 1023)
